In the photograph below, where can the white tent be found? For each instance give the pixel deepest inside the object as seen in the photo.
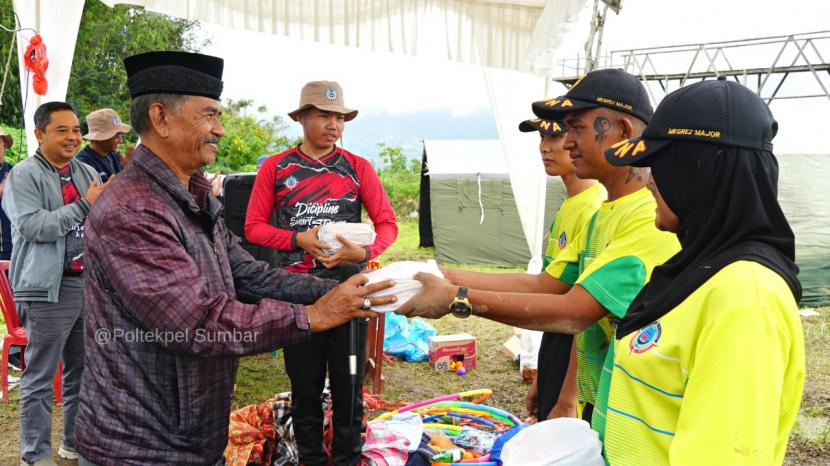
(510, 39)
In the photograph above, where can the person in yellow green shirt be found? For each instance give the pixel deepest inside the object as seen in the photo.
(553, 391)
(708, 361)
(599, 273)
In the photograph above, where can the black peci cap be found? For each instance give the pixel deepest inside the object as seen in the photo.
(549, 127)
(610, 88)
(717, 111)
(174, 73)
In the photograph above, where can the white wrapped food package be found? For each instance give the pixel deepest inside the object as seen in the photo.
(405, 285)
(359, 233)
(558, 442)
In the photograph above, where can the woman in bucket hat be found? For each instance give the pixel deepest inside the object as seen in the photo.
(708, 362)
(307, 186)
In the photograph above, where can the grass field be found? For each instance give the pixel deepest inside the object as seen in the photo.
(810, 439)
(260, 377)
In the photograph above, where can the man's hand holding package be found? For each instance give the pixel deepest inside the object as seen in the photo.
(346, 302)
(433, 301)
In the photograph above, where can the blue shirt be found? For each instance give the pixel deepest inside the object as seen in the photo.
(106, 166)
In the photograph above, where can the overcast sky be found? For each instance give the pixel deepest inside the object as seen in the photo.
(272, 69)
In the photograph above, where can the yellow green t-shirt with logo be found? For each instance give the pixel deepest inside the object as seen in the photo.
(717, 380)
(572, 218)
(612, 261)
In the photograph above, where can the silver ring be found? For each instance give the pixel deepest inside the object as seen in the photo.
(367, 304)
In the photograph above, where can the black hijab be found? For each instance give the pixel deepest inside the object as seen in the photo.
(726, 201)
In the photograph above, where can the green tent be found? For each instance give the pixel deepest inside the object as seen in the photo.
(467, 209)
(802, 184)
(468, 212)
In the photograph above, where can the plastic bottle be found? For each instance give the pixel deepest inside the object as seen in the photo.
(449, 455)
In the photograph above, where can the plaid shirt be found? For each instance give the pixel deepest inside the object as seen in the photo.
(164, 328)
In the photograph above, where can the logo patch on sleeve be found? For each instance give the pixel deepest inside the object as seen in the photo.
(646, 338)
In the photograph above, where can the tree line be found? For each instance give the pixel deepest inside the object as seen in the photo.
(98, 79)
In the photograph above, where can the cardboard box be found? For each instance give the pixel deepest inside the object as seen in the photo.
(444, 349)
(511, 347)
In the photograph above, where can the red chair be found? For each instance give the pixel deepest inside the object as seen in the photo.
(374, 353)
(373, 368)
(17, 336)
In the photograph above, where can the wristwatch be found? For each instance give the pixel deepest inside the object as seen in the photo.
(460, 305)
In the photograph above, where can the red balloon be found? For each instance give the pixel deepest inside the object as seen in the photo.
(35, 61)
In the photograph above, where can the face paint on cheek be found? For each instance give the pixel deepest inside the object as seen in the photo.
(601, 128)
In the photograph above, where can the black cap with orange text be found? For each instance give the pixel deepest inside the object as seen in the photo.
(548, 127)
(609, 88)
(717, 111)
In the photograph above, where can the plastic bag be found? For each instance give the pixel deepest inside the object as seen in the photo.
(405, 285)
(502, 440)
(419, 333)
(359, 233)
(395, 335)
(404, 290)
(557, 442)
(405, 340)
(473, 439)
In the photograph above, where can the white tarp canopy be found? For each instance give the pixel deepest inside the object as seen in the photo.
(464, 156)
(510, 39)
(517, 35)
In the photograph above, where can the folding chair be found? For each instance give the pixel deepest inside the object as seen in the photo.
(17, 336)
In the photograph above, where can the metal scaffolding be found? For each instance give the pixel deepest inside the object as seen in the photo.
(747, 61)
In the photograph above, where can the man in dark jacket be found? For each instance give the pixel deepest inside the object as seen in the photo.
(164, 327)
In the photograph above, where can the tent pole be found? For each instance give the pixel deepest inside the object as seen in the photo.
(589, 44)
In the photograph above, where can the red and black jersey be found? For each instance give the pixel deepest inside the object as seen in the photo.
(305, 193)
(73, 262)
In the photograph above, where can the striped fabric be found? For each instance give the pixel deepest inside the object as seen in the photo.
(717, 380)
(616, 256)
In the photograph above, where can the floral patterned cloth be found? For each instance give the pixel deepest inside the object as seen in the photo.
(263, 435)
(252, 435)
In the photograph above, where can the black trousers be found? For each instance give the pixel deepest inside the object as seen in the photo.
(552, 366)
(307, 364)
